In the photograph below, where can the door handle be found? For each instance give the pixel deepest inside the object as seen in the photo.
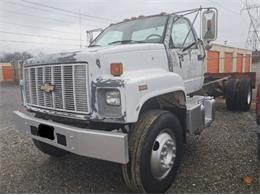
(200, 57)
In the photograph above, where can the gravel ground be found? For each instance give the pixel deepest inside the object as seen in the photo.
(214, 162)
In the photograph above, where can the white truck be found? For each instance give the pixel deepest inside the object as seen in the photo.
(128, 98)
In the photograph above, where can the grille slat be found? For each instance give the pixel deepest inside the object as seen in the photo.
(48, 96)
(70, 93)
(40, 81)
(33, 85)
(80, 89)
(58, 99)
(27, 86)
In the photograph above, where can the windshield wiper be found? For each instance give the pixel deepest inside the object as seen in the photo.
(126, 41)
(94, 46)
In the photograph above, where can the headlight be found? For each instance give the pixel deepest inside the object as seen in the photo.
(113, 98)
(21, 83)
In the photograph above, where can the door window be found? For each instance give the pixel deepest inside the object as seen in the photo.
(180, 30)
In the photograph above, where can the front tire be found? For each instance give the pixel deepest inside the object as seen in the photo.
(49, 149)
(155, 147)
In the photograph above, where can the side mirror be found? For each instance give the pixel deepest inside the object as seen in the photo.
(210, 25)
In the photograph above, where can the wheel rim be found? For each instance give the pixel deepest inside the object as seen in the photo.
(163, 155)
(249, 95)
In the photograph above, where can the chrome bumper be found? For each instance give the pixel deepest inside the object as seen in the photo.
(110, 146)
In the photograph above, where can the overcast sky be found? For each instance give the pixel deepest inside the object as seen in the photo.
(26, 26)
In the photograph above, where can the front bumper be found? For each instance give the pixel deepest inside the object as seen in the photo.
(110, 146)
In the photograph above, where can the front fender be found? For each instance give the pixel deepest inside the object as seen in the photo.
(141, 86)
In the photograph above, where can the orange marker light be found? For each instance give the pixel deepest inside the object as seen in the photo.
(163, 13)
(116, 69)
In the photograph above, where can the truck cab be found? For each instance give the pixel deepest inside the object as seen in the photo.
(128, 97)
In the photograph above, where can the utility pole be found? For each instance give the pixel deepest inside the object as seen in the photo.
(80, 29)
(253, 37)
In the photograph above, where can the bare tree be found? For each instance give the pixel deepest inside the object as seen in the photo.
(16, 56)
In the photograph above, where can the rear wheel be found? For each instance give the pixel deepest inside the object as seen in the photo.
(244, 94)
(155, 147)
(49, 149)
(231, 94)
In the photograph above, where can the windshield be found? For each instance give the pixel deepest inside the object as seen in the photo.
(147, 30)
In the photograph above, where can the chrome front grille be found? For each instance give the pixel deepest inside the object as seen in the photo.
(70, 92)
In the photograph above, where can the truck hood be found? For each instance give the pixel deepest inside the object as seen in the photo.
(90, 52)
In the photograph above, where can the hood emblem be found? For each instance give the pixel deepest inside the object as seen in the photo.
(47, 87)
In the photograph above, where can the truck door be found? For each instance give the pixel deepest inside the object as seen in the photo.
(184, 46)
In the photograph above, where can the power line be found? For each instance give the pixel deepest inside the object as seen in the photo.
(43, 17)
(35, 35)
(40, 9)
(67, 11)
(37, 27)
(38, 43)
(231, 10)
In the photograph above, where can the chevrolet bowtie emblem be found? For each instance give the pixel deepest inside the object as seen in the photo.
(47, 87)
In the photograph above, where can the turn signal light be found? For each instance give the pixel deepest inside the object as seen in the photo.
(116, 69)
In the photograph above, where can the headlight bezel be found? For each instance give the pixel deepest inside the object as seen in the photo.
(103, 108)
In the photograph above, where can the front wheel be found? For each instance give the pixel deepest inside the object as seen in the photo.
(155, 144)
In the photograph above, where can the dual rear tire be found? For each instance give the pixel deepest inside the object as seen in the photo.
(238, 94)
